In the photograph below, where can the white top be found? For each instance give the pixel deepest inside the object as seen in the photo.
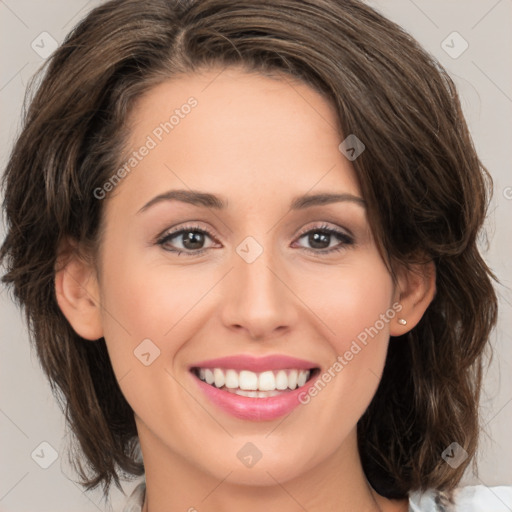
(473, 498)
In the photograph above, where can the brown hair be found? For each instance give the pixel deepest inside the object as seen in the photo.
(426, 190)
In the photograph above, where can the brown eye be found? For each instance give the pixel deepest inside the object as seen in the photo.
(320, 240)
(192, 240)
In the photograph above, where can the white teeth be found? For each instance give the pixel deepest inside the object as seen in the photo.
(231, 379)
(292, 379)
(255, 394)
(266, 381)
(301, 379)
(219, 377)
(247, 380)
(281, 380)
(208, 376)
(251, 383)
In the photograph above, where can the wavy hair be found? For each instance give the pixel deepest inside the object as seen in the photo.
(426, 189)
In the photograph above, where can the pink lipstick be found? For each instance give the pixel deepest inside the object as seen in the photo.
(255, 388)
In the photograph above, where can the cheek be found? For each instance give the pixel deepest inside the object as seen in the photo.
(351, 299)
(144, 318)
(151, 301)
(142, 298)
(354, 304)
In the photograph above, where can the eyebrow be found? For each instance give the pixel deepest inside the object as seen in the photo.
(208, 200)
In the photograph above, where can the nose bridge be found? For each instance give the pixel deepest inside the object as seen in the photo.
(254, 270)
(258, 299)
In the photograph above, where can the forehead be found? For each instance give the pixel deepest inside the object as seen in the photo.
(235, 133)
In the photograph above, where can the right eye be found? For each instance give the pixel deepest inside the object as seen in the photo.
(195, 236)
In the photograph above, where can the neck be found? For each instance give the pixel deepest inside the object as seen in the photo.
(336, 483)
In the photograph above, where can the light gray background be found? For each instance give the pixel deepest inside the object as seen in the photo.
(29, 414)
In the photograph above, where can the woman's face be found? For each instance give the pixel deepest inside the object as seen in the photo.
(258, 277)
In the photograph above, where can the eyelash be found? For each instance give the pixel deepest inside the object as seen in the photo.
(343, 237)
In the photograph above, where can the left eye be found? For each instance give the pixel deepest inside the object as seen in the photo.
(323, 235)
(193, 238)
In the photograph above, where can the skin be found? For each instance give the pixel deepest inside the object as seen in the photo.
(257, 142)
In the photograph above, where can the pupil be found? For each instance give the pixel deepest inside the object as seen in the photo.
(193, 237)
(319, 238)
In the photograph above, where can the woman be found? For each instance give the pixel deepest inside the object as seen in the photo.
(245, 240)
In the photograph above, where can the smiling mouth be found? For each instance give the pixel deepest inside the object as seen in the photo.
(255, 385)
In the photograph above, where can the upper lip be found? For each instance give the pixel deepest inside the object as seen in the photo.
(256, 364)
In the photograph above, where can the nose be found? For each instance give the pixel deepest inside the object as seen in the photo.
(257, 299)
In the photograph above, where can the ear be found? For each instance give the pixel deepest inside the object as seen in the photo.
(77, 291)
(415, 290)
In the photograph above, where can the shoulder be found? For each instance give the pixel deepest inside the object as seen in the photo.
(136, 499)
(471, 498)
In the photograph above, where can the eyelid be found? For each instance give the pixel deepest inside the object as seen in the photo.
(324, 226)
(170, 232)
(187, 224)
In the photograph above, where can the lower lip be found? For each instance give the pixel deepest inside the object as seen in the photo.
(255, 409)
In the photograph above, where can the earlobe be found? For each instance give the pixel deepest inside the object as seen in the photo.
(415, 291)
(77, 293)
